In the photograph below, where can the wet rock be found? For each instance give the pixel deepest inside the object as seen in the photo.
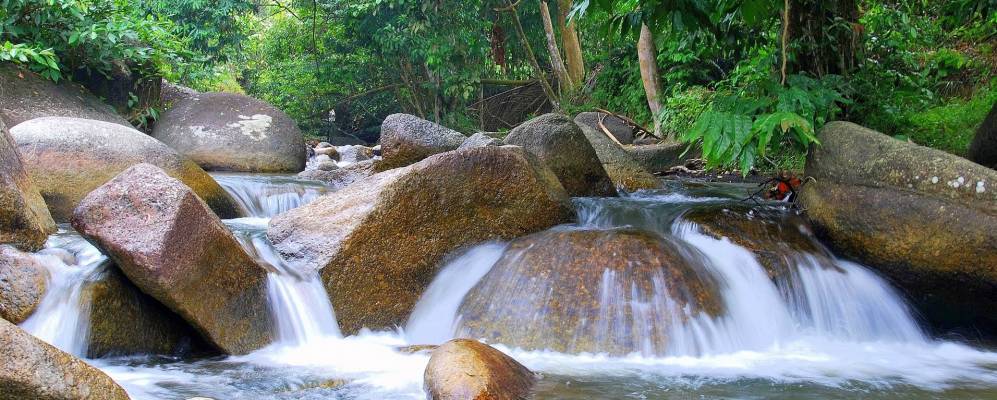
(378, 242)
(418, 349)
(983, 149)
(479, 139)
(342, 177)
(376, 150)
(22, 284)
(171, 246)
(68, 157)
(923, 217)
(622, 168)
(355, 153)
(324, 145)
(572, 291)
(124, 321)
(327, 166)
(330, 152)
(26, 96)
(464, 369)
(561, 145)
(24, 218)
(232, 132)
(659, 158)
(623, 132)
(406, 139)
(33, 369)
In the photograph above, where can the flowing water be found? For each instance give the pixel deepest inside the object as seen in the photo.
(828, 329)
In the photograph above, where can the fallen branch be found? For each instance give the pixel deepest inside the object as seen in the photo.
(605, 130)
(631, 123)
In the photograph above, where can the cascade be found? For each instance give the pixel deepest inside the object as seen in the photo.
(265, 196)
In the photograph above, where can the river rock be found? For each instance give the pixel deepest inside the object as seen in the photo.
(983, 149)
(659, 158)
(548, 292)
(378, 242)
(923, 217)
(406, 139)
(355, 153)
(561, 145)
(479, 139)
(170, 245)
(124, 321)
(67, 158)
(339, 178)
(463, 369)
(623, 132)
(33, 369)
(327, 166)
(232, 132)
(22, 284)
(330, 152)
(622, 168)
(24, 218)
(27, 95)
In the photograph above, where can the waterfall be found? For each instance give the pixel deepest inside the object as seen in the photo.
(63, 316)
(265, 196)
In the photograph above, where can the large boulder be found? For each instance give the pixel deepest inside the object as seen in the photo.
(170, 245)
(232, 132)
(659, 158)
(24, 218)
(621, 167)
(923, 217)
(379, 241)
(561, 145)
(406, 139)
(125, 321)
(26, 95)
(22, 284)
(463, 369)
(572, 291)
(983, 149)
(67, 158)
(479, 139)
(621, 131)
(33, 369)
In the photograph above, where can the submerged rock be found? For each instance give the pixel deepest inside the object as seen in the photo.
(33, 369)
(572, 291)
(464, 369)
(24, 218)
(67, 158)
(379, 241)
(406, 139)
(27, 95)
(621, 167)
(22, 284)
(923, 217)
(232, 132)
(983, 149)
(560, 144)
(171, 246)
(659, 158)
(620, 130)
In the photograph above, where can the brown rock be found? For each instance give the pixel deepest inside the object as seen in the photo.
(22, 284)
(342, 177)
(622, 168)
(33, 369)
(617, 127)
(171, 246)
(24, 218)
(27, 95)
(464, 369)
(378, 242)
(406, 139)
(659, 158)
(547, 291)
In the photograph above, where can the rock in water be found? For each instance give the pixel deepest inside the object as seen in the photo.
(342, 177)
(378, 242)
(464, 369)
(659, 158)
(232, 132)
(983, 149)
(67, 158)
(621, 167)
(617, 127)
(406, 139)
(22, 284)
(33, 369)
(923, 217)
(171, 246)
(27, 95)
(560, 144)
(572, 291)
(24, 218)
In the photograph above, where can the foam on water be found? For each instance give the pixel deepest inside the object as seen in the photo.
(266, 196)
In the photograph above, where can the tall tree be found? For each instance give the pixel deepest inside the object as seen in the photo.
(556, 62)
(647, 53)
(572, 46)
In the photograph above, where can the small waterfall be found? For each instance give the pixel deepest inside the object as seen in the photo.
(63, 317)
(265, 196)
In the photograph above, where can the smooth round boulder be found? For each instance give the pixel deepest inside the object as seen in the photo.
(923, 217)
(560, 144)
(463, 369)
(232, 132)
(621, 131)
(660, 158)
(354, 153)
(983, 148)
(67, 158)
(572, 291)
(27, 95)
(626, 173)
(25, 221)
(342, 177)
(406, 139)
(479, 139)
(23, 282)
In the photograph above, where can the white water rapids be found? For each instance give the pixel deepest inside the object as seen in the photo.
(839, 332)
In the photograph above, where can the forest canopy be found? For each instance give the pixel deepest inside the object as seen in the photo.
(747, 81)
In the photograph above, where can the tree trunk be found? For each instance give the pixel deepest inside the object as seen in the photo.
(647, 55)
(556, 63)
(531, 56)
(572, 47)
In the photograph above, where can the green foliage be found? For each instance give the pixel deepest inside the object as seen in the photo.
(952, 125)
(42, 61)
(683, 109)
